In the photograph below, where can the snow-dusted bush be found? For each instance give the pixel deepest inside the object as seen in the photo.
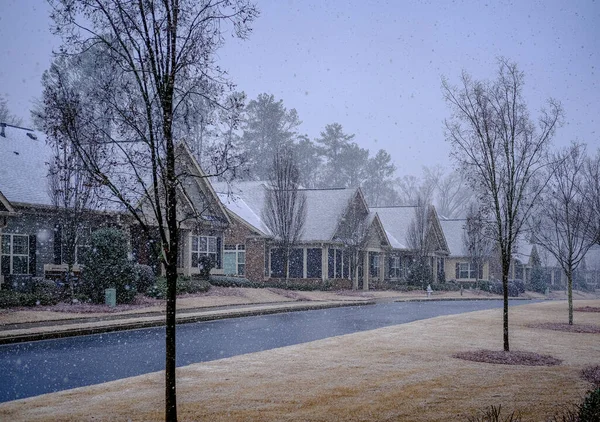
(107, 266)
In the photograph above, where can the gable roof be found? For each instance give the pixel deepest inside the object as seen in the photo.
(453, 232)
(396, 222)
(198, 193)
(5, 207)
(24, 164)
(324, 207)
(374, 222)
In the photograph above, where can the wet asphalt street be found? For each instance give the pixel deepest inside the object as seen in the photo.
(30, 369)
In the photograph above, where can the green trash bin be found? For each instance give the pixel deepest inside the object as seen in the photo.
(110, 297)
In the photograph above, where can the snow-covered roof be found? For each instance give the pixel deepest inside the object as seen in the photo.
(396, 221)
(244, 199)
(453, 232)
(522, 250)
(24, 164)
(324, 207)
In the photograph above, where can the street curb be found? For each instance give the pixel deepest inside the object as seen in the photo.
(133, 325)
(457, 299)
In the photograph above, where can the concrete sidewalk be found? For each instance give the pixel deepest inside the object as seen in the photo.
(33, 331)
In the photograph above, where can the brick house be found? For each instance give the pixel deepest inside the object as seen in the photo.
(396, 222)
(323, 253)
(31, 234)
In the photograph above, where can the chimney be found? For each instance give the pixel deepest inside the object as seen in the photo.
(2, 133)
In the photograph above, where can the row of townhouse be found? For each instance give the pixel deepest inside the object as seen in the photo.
(231, 229)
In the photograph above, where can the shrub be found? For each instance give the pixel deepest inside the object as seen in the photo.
(11, 299)
(484, 285)
(494, 414)
(495, 287)
(449, 287)
(107, 266)
(291, 284)
(420, 274)
(519, 284)
(184, 285)
(538, 280)
(205, 264)
(224, 281)
(145, 277)
(590, 408)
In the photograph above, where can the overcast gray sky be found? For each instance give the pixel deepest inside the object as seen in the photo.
(374, 66)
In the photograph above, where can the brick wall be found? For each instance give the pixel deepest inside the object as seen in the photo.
(237, 233)
(255, 259)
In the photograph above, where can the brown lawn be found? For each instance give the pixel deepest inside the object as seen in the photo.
(403, 372)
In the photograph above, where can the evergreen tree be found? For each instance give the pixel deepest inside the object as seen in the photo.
(268, 127)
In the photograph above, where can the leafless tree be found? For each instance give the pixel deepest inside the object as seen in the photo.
(420, 241)
(592, 194)
(6, 116)
(354, 235)
(411, 188)
(284, 211)
(501, 151)
(477, 241)
(453, 195)
(151, 57)
(73, 194)
(565, 216)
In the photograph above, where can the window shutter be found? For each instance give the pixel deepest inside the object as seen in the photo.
(480, 271)
(57, 245)
(32, 250)
(457, 269)
(219, 243)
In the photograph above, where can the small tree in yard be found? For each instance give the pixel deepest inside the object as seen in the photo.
(354, 235)
(501, 151)
(148, 60)
(565, 216)
(592, 194)
(421, 244)
(538, 275)
(476, 240)
(73, 194)
(284, 211)
(107, 266)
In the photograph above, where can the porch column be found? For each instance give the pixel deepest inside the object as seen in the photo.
(324, 263)
(2, 222)
(366, 271)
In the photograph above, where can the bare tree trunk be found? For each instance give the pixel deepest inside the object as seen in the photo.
(505, 270)
(170, 363)
(570, 294)
(173, 240)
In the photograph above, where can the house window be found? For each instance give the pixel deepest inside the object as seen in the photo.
(441, 275)
(346, 272)
(465, 270)
(395, 268)
(296, 269)
(313, 263)
(15, 254)
(330, 263)
(83, 244)
(234, 259)
(277, 267)
(373, 264)
(204, 246)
